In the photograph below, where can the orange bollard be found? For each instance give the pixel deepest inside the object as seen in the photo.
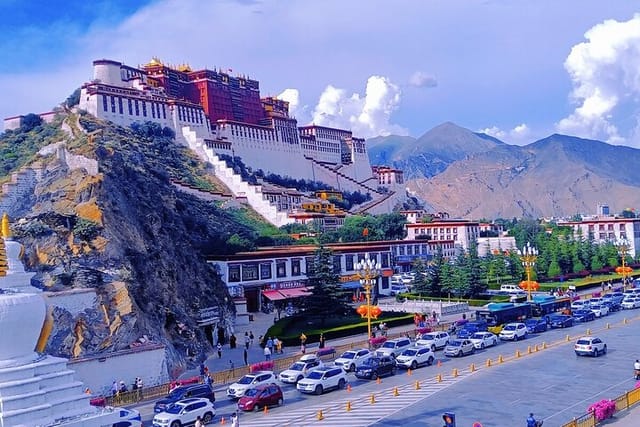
(454, 373)
(372, 399)
(472, 368)
(500, 359)
(348, 405)
(518, 353)
(319, 415)
(378, 381)
(439, 364)
(529, 350)
(266, 409)
(438, 379)
(488, 363)
(417, 385)
(349, 388)
(409, 372)
(222, 421)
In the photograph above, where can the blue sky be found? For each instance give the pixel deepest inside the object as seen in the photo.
(517, 69)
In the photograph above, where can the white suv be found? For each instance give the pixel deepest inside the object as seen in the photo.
(185, 412)
(414, 357)
(352, 359)
(590, 346)
(323, 379)
(237, 389)
(394, 347)
(300, 369)
(433, 340)
(513, 331)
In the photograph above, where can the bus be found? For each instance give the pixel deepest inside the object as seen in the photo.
(547, 304)
(499, 313)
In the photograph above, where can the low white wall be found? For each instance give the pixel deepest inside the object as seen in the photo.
(74, 301)
(98, 373)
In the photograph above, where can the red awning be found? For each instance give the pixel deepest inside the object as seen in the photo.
(295, 292)
(274, 295)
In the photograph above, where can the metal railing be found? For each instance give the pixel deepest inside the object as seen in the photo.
(623, 402)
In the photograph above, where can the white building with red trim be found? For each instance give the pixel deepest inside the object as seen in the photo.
(605, 228)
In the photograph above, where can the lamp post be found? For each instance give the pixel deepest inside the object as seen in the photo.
(368, 271)
(528, 255)
(623, 248)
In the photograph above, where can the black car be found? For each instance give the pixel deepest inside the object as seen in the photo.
(561, 321)
(612, 305)
(184, 392)
(583, 315)
(377, 367)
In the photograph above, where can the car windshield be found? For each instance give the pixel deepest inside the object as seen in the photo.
(174, 409)
(298, 366)
(409, 352)
(348, 355)
(584, 342)
(478, 336)
(246, 380)
(252, 392)
(510, 328)
(371, 362)
(177, 393)
(455, 343)
(428, 337)
(389, 344)
(315, 375)
(596, 307)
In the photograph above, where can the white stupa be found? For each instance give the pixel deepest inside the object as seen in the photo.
(35, 389)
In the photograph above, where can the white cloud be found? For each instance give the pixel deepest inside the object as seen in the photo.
(605, 71)
(292, 96)
(367, 115)
(518, 135)
(422, 79)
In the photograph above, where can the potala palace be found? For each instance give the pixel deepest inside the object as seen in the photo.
(217, 114)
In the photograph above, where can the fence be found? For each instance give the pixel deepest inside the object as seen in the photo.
(624, 401)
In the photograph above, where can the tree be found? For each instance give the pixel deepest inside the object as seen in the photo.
(327, 297)
(73, 99)
(30, 122)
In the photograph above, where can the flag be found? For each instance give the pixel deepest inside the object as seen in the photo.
(365, 232)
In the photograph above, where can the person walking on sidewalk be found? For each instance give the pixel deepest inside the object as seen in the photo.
(219, 348)
(277, 344)
(267, 353)
(321, 341)
(251, 338)
(245, 355)
(270, 344)
(247, 340)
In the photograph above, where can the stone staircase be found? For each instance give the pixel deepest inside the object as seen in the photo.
(365, 207)
(241, 189)
(19, 189)
(335, 171)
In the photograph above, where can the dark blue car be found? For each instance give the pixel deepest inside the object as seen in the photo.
(535, 326)
(583, 315)
(560, 321)
(470, 328)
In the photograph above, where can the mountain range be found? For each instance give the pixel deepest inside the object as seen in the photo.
(474, 175)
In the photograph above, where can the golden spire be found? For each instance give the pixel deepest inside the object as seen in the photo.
(6, 232)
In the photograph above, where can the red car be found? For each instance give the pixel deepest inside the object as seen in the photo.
(261, 396)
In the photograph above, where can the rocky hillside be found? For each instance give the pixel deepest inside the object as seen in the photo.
(124, 230)
(556, 176)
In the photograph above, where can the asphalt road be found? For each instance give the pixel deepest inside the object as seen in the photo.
(553, 383)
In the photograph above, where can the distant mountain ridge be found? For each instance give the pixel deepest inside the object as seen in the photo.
(474, 175)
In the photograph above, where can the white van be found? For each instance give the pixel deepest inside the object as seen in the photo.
(512, 289)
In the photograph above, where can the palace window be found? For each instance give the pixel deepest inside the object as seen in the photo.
(265, 270)
(234, 273)
(337, 264)
(104, 102)
(120, 105)
(144, 108)
(137, 108)
(281, 268)
(113, 104)
(249, 272)
(164, 112)
(348, 262)
(384, 260)
(295, 267)
(130, 107)
(153, 110)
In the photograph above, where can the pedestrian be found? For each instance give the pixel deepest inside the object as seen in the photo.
(270, 344)
(267, 353)
(303, 348)
(122, 388)
(139, 383)
(261, 341)
(114, 388)
(247, 340)
(199, 422)
(245, 355)
(232, 341)
(321, 340)
(234, 420)
(202, 370)
(531, 421)
(219, 348)
(251, 338)
(609, 286)
(303, 338)
(208, 381)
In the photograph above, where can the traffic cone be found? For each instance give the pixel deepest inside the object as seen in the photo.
(439, 364)
(348, 408)
(417, 385)
(518, 353)
(529, 350)
(266, 409)
(378, 381)
(438, 379)
(455, 373)
(222, 421)
(396, 392)
(472, 368)
(409, 372)
(349, 388)
(372, 399)
(488, 363)
(500, 359)
(319, 416)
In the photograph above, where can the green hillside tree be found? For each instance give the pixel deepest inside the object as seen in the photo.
(328, 296)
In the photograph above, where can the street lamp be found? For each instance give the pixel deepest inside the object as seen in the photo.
(625, 271)
(368, 271)
(528, 256)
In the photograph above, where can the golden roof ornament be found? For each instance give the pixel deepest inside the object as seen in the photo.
(6, 231)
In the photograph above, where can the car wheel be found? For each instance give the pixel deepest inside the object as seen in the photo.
(341, 383)
(352, 367)
(299, 378)
(459, 353)
(206, 418)
(176, 424)
(481, 346)
(374, 375)
(394, 370)
(280, 401)
(318, 389)
(604, 350)
(414, 365)
(256, 407)
(433, 348)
